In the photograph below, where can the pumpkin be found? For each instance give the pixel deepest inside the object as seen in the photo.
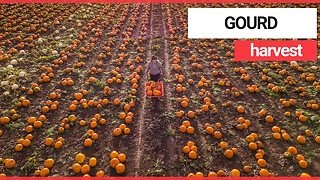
(261, 162)
(314, 106)
(218, 125)
(285, 103)
(240, 109)
(269, 119)
(117, 132)
(205, 108)
(80, 158)
(190, 130)
(186, 149)
(78, 96)
(114, 162)
(228, 153)
(31, 120)
(199, 174)
(156, 93)
(247, 169)
(92, 162)
(49, 163)
(61, 129)
(264, 173)
(235, 173)
(122, 126)
(114, 154)
(234, 150)
(194, 148)
(212, 174)
(209, 130)
(292, 150)
(186, 123)
(76, 167)
(183, 128)
(131, 104)
(126, 131)
(85, 169)
(45, 109)
(49, 141)
(42, 118)
(72, 107)
(190, 144)
(301, 139)
(100, 174)
(276, 136)
(9, 163)
(37, 172)
(308, 132)
(299, 157)
(120, 168)
(253, 146)
(29, 129)
(18, 147)
(87, 142)
(217, 135)
(122, 157)
(223, 145)
(192, 155)
(304, 175)
(14, 117)
(44, 172)
(58, 145)
(126, 107)
(303, 164)
(93, 124)
(285, 136)
(37, 124)
(5, 120)
(149, 92)
(184, 104)
(302, 118)
(94, 136)
(116, 101)
(152, 84)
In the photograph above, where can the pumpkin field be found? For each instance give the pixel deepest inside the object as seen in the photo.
(73, 97)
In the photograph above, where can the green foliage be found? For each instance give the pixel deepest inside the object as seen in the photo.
(156, 47)
(100, 84)
(49, 132)
(14, 126)
(30, 165)
(311, 90)
(275, 76)
(312, 118)
(169, 132)
(159, 169)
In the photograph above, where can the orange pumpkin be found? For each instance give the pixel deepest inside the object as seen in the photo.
(228, 153)
(116, 101)
(5, 120)
(117, 132)
(87, 142)
(184, 104)
(240, 109)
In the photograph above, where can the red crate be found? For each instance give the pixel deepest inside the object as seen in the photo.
(161, 90)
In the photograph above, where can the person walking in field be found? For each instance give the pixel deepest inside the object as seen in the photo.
(154, 66)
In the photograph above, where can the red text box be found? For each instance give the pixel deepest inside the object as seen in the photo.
(275, 50)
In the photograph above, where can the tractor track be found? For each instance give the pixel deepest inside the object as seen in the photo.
(170, 142)
(141, 125)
